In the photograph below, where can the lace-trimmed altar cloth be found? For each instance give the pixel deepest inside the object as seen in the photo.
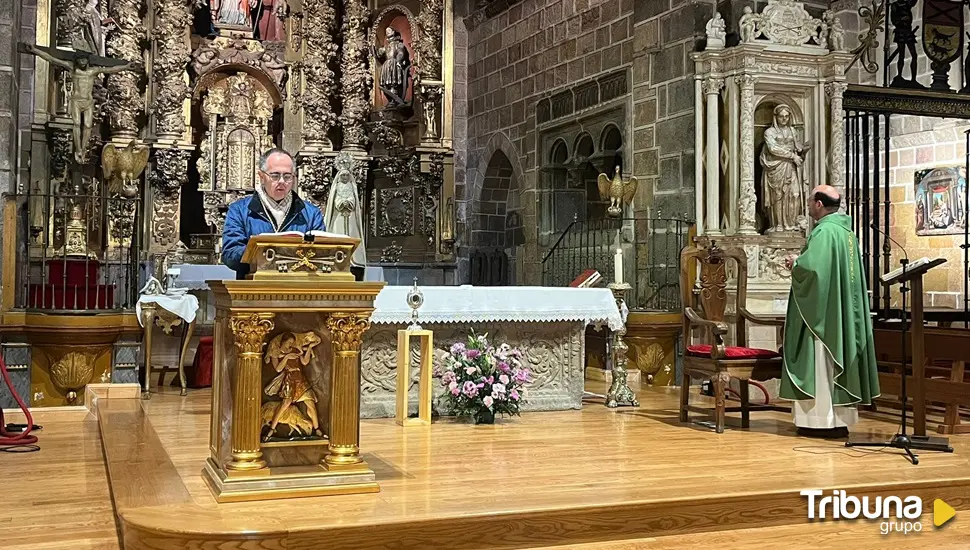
(479, 304)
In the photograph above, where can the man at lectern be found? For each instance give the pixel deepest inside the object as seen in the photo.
(273, 208)
(829, 358)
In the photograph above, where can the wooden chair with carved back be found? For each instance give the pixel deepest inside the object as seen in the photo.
(712, 359)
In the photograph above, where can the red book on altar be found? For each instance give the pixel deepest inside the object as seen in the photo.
(586, 279)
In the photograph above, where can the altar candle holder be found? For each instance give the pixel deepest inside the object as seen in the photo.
(620, 392)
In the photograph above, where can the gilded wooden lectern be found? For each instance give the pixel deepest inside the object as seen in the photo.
(286, 372)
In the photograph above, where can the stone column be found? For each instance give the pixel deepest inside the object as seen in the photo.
(123, 42)
(250, 331)
(357, 79)
(747, 196)
(837, 163)
(712, 89)
(346, 332)
(699, 155)
(318, 82)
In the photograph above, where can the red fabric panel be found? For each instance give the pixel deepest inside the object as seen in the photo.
(202, 365)
(732, 352)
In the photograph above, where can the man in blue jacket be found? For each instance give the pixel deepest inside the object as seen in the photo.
(273, 208)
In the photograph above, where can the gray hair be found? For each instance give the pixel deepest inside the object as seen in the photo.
(264, 158)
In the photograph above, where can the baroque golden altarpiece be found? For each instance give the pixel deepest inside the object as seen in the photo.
(149, 119)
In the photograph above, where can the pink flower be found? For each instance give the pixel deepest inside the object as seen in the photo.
(470, 389)
(490, 380)
(471, 370)
(472, 353)
(448, 378)
(503, 378)
(504, 367)
(455, 391)
(488, 401)
(521, 376)
(452, 386)
(514, 394)
(498, 388)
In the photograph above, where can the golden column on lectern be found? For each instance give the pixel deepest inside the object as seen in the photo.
(285, 408)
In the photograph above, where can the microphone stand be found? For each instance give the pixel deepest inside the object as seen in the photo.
(902, 440)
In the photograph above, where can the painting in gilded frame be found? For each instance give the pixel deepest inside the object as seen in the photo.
(940, 200)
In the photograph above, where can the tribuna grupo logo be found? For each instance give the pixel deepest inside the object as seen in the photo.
(898, 514)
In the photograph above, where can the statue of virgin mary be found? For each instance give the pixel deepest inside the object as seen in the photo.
(344, 212)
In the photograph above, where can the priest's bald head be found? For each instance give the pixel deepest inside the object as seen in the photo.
(824, 200)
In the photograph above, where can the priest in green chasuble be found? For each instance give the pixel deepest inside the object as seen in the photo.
(829, 359)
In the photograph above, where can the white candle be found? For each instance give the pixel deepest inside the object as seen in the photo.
(618, 265)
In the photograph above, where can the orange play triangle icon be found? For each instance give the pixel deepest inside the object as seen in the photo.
(942, 512)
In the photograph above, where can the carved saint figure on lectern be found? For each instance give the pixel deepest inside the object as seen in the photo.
(344, 213)
(83, 73)
(783, 178)
(289, 353)
(395, 68)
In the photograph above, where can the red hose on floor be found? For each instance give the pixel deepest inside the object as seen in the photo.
(15, 439)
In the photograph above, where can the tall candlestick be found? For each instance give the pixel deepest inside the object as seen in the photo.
(618, 265)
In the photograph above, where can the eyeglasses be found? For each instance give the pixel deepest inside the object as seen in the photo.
(277, 176)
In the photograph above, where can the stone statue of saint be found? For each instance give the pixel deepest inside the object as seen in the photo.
(748, 25)
(836, 35)
(715, 32)
(81, 100)
(395, 68)
(782, 178)
(344, 212)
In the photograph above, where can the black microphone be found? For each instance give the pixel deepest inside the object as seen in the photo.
(892, 240)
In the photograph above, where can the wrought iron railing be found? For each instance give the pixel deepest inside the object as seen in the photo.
(651, 257)
(75, 252)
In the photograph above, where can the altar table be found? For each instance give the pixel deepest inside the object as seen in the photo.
(547, 324)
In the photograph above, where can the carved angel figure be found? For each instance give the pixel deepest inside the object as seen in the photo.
(123, 167)
(617, 191)
(289, 353)
(748, 24)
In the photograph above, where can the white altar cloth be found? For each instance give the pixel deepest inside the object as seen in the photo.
(194, 277)
(178, 303)
(470, 304)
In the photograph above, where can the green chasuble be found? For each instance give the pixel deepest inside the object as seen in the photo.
(829, 302)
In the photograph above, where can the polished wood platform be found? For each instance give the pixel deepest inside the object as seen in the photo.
(595, 479)
(574, 477)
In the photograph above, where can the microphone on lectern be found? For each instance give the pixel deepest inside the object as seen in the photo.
(892, 240)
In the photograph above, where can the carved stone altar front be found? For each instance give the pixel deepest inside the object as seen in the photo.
(554, 352)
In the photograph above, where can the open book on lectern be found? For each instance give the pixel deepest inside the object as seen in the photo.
(308, 236)
(912, 267)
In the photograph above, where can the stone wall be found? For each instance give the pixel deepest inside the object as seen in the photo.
(17, 22)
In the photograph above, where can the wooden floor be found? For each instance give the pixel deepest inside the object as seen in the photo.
(578, 479)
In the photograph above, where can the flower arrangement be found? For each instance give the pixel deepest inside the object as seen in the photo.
(483, 380)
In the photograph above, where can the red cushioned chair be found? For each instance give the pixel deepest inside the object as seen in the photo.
(704, 309)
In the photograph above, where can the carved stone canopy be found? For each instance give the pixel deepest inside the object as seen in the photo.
(224, 55)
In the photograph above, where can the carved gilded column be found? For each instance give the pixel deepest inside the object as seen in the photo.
(346, 332)
(124, 42)
(837, 163)
(747, 196)
(69, 17)
(250, 332)
(356, 80)
(168, 174)
(430, 87)
(318, 80)
(712, 148)
(172, 18)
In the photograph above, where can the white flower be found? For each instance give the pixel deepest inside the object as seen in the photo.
(488, 401)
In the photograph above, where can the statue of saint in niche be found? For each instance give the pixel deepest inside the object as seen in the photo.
(344, 212)
(782, 179)
(232, 13)
(290, 353)
(395, 68)
(269, 22)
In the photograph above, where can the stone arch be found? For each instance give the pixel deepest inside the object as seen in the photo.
(495, 213)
